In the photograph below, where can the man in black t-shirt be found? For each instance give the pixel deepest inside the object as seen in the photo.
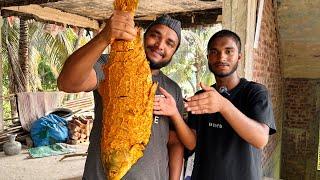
(231, 120)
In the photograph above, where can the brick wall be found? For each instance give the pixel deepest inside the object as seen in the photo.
(301, 129)
(267, 71)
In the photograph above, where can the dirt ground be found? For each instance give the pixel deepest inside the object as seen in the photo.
(21, 167)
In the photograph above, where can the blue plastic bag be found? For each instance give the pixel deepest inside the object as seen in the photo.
(48, 130)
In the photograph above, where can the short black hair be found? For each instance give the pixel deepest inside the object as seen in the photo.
(225, 33)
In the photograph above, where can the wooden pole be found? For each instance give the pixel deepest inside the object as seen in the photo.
(240, 17)
(1, 78)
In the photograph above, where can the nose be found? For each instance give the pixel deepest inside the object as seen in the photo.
(160, 44)
(222, 56)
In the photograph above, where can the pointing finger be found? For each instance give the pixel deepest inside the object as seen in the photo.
(164, 92)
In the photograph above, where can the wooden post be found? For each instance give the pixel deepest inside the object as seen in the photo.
(258, 27)
(317, 116)
(240, 16)
(1, 77)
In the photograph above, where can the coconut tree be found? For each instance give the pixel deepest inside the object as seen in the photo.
(12, 71)
(23, 54)
(46, 51)
(50, 50)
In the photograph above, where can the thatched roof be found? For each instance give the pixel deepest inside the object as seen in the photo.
(189, 11)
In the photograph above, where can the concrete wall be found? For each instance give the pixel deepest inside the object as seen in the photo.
(301, 129)
(299, 28)
(267, 70)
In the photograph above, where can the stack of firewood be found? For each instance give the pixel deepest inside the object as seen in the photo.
(79, 129)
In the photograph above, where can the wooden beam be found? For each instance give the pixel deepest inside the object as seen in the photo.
(258, 26)
(7, 3)
(250, 35)
(188, 19)
(50, 15)
(240, 16)
(234, 18)
(318, 166)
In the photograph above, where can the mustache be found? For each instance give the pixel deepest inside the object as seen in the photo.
(221, 64)
(153, 48)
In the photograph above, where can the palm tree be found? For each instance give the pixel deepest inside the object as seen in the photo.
(42, 56)
(51, 50)
(9, 51)
(23, 54)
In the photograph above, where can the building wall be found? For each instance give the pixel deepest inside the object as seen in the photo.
(299, 29)
(267, 71)
(301, 129)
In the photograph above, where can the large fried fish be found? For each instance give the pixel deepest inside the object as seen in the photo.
(127, 93)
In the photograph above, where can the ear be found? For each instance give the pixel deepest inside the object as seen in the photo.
(239, 56)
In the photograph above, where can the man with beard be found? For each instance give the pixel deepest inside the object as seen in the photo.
(231, 120)
(82, 71)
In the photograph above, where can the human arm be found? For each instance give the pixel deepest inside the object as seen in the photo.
(210, 101)
(176, 151)
(166, 106)
(77, 73)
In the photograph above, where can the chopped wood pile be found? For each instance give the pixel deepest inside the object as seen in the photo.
(79, 129)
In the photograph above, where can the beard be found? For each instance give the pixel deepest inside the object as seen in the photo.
(221, 74)
(158, 65)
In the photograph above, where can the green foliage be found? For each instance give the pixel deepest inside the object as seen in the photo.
(10, 34)
(189, 65)
(6, 106)
(49, 46)
(48, 79)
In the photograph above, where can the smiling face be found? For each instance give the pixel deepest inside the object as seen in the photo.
(160, 43)
(223, 56)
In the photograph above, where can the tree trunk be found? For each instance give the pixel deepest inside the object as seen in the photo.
(12, 90)
(15, 75)
(23, 54)
(197, 64)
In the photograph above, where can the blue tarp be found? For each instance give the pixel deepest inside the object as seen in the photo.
(49, 130)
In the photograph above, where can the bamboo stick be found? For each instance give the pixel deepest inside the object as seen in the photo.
(8, 119)
(4, 135)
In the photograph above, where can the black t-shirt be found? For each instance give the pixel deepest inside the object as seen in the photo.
(221, 154)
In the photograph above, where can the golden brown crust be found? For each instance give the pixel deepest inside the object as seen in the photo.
(127, 94)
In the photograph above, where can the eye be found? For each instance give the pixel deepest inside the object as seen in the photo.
(170, 44)
(213, 52)
(154, 35)
(229, 52)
